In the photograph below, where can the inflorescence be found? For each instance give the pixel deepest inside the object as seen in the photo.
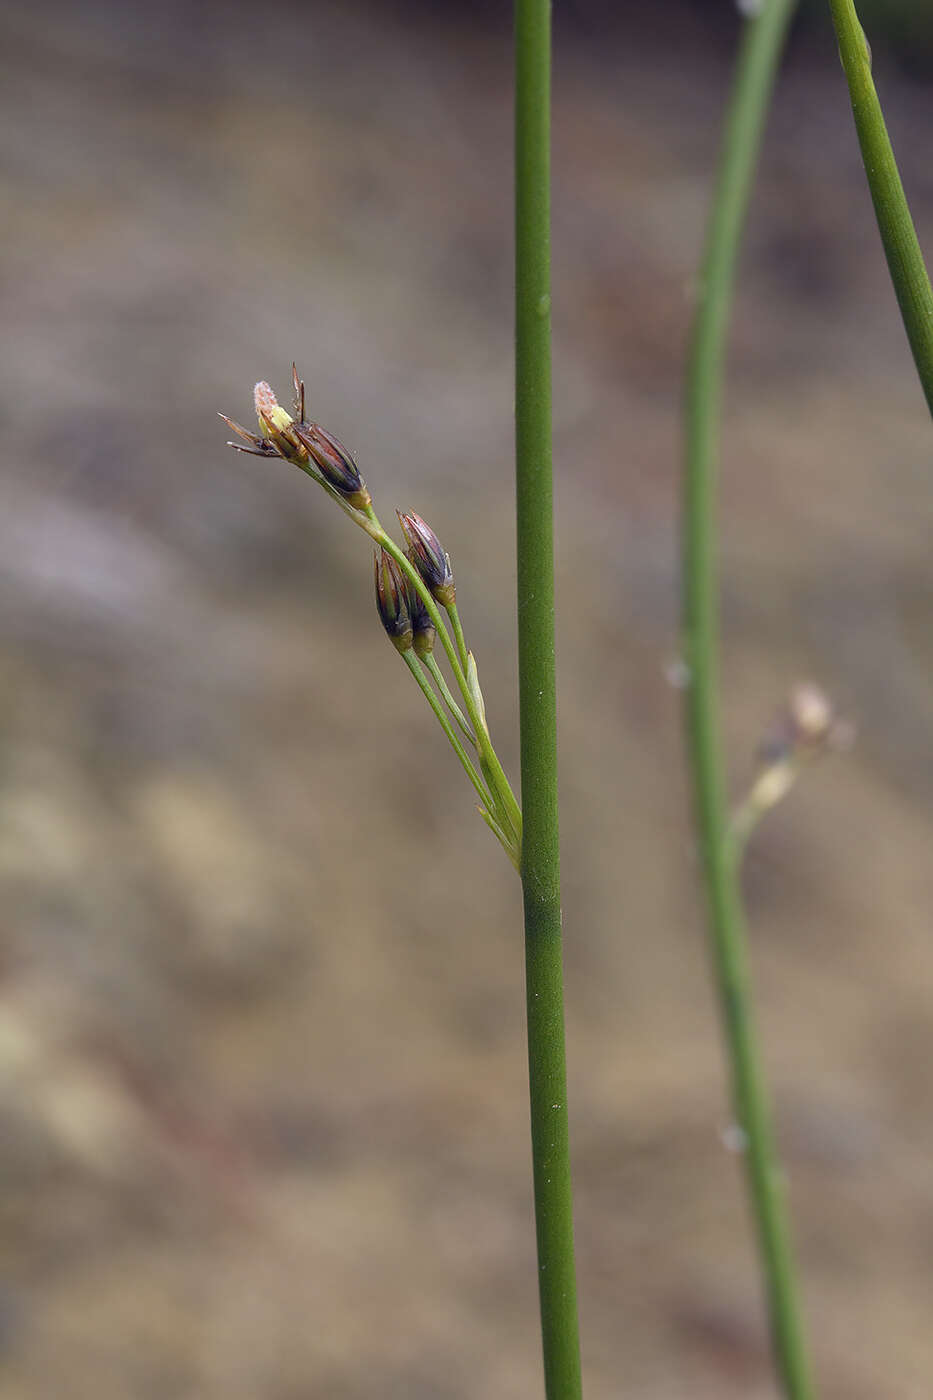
(415, 597)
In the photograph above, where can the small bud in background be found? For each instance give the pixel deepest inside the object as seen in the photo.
(427, 554)
(806, 727)
(392, 601)
(811, 714)
(817, 725)
(425, 633)
(334, 463)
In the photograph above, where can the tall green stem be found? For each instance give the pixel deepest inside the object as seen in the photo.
(901, 248)
(540, 855)
(760, 50)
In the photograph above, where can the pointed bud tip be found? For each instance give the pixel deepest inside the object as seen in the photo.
(428, 556)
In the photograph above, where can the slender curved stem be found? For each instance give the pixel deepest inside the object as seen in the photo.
(901, 247)
(437, 675)
(760, 51)
(540, 853)
(414, 665)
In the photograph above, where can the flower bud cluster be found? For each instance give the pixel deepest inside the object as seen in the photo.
(411, 587)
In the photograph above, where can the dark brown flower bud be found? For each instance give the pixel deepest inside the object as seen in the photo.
(427, 554)
(334, 463)
(392, 601)
(425, 633)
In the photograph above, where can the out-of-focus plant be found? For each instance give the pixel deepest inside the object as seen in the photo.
(904, 27)
(901, 246)
(808, 726)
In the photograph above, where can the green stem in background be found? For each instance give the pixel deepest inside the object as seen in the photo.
(902, 250)
(437, 675)
(540, 854)
(761, 47)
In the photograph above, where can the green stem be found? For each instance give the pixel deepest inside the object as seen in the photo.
(760, 51)
(901, 248)
(540, 852)
(437, 675)
(458, 633)
(414, 665)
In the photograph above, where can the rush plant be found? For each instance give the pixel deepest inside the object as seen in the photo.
(722, 839)
(416, 600)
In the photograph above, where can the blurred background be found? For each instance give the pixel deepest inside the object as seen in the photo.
(263, 1122)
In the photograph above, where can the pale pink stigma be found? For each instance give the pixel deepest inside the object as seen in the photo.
(264, 399)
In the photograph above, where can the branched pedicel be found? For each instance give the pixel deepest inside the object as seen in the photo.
(413, 586)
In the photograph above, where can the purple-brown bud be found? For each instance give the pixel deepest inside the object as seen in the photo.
(392, 601)
(334, 462)
(425, 633)
(428, 556)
